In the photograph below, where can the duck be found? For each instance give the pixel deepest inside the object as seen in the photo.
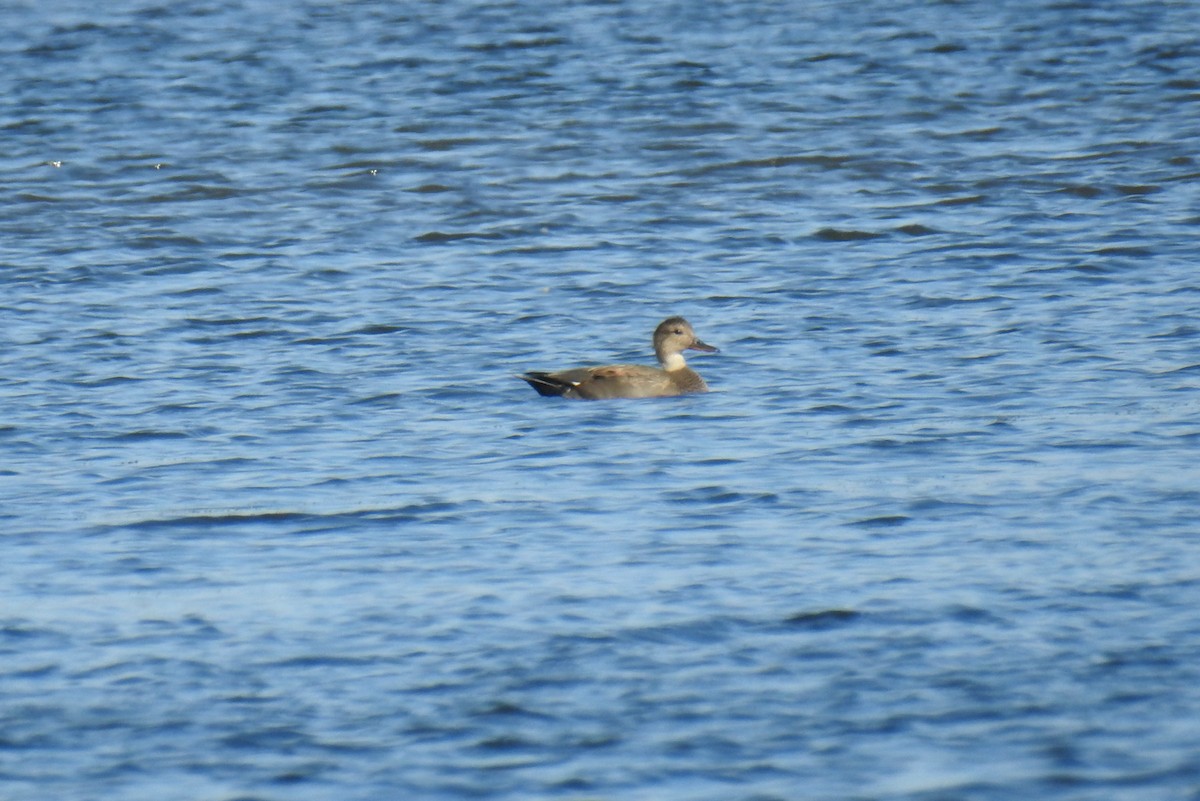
(672, 377)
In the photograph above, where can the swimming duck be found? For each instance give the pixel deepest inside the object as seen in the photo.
(673, 336)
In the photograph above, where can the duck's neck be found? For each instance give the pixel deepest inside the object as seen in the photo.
(672, 361)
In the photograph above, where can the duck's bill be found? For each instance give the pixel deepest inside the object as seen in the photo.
(704, 346)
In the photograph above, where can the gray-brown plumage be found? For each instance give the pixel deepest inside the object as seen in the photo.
(672, 337)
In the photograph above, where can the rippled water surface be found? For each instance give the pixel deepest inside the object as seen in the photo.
(279, 522)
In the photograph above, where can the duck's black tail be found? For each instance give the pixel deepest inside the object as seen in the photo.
(546, 384)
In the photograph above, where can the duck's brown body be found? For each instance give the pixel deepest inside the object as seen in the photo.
(674, 377)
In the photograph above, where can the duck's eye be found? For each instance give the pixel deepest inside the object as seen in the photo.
(678, 331)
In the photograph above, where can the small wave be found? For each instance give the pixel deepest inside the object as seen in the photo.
(1082, 190)
(165, 241)
(448, 143)
(148, 434)
(199, 192)
(720, 495)
(771, 162)
(383, 399)
(963, 200)
(453, 236)
(231, 518)
(382, 328)
(823, 620)
(843, 235)
(109, 381)
(1123, 250)
(517, 44)
(1138, 189)
(883, 521)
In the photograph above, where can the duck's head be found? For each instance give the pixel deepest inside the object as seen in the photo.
(673, 336)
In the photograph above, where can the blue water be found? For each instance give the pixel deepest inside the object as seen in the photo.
(280, 523)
